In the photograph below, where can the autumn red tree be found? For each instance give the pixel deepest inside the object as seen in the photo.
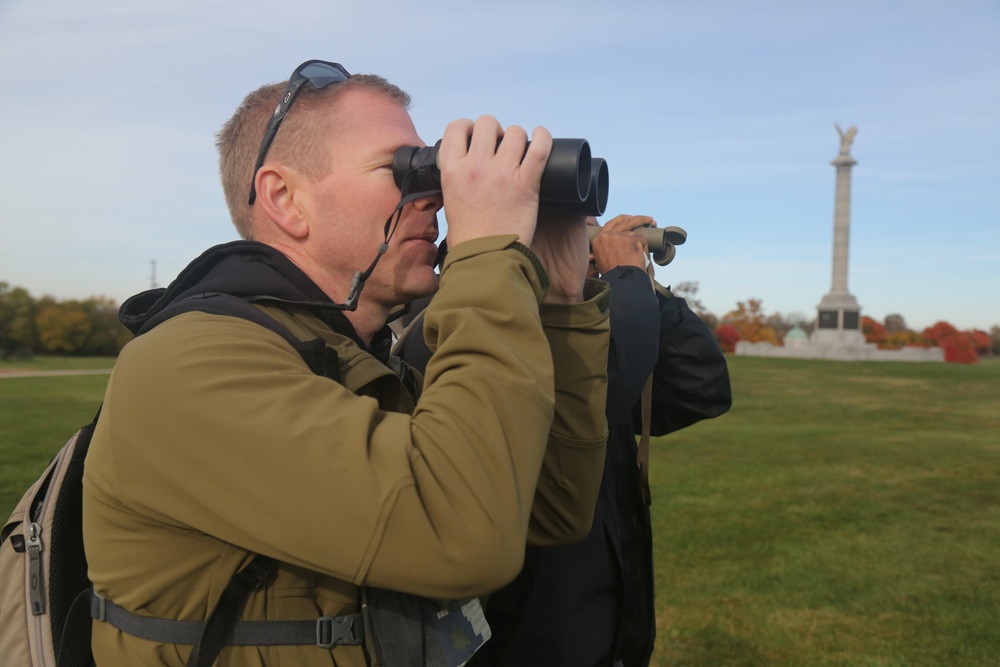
(874, 331)
(728, 336)
(959, 346)
(958, 349)
(982, 342)
(939, 331)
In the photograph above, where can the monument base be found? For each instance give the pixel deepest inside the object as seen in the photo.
(838, 348)
(838, 338)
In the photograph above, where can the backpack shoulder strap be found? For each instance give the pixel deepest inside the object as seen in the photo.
(218, 303)
(222, 627)
(321, 359)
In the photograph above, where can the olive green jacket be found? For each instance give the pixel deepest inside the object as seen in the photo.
(216, 442)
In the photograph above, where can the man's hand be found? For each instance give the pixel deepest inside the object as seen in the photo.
(615, 245)
(490, 189)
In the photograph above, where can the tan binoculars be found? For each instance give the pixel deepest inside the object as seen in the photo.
(661, 241)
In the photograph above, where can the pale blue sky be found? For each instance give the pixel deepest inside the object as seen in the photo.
(714, 115)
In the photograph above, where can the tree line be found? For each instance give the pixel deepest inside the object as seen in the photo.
(749, 322)
(30, 326)
(90, 327)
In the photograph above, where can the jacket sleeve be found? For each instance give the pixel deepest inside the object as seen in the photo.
(562, 510)
(566, 495)
(691, 378)
(550, 371)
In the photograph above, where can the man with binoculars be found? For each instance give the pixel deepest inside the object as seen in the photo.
(239, 498)
(590, 604)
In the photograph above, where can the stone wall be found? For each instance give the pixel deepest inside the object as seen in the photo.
(811, 350)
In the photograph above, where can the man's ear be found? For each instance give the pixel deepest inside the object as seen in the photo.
(280, 194)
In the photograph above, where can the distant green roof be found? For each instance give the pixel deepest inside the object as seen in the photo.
(796, 333)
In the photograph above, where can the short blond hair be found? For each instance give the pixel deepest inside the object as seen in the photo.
(297, 144)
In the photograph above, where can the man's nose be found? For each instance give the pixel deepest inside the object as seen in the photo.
(430, 203)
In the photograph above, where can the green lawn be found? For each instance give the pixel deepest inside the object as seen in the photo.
(841, 514)
(37, 416)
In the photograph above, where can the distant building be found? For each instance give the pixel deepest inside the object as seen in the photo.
(796, 337)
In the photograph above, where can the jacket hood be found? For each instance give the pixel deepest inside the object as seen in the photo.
(247, 269)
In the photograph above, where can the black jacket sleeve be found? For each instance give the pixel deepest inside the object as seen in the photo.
(691, 379)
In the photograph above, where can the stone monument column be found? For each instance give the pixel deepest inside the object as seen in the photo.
(839, 317)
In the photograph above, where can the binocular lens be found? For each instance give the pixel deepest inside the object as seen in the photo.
(597, 200)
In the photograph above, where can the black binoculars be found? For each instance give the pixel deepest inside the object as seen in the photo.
(572, 181)
(661, 242)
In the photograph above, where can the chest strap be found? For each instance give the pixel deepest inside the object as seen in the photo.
(325, 632)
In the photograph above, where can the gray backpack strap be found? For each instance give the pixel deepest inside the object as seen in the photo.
(222, 628)
(220, 623)
(324, 632)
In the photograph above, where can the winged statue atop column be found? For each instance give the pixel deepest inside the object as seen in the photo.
(846, 138)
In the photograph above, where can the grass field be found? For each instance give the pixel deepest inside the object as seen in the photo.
(842, 514)
(37, 416)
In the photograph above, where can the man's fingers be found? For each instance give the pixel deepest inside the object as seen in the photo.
(537, 156)
(455, 142)
(485, 136)
(630, 222)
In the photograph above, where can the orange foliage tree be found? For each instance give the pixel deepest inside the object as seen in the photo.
(875, 332)
(749, 320)
(901, 339)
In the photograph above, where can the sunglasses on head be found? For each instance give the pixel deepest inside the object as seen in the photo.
(320, 74)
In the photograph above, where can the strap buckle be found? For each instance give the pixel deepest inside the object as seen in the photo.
(334, 630)
(98, 607)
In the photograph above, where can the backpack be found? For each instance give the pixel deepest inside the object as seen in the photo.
(43, 568)
(42, 565)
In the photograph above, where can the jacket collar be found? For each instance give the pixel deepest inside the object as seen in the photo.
(253, 271)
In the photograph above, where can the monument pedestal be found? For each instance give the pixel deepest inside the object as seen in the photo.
(838, 338)
(838, 321)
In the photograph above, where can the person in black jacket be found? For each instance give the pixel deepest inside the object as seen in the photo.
(591, 603)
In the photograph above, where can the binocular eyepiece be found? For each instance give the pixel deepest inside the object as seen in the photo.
(572, 181)
(661, 242)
